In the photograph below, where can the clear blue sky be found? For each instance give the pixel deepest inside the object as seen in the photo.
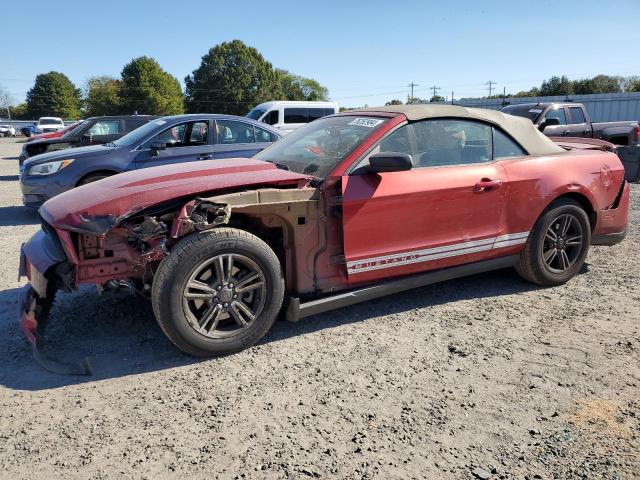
(365, 52)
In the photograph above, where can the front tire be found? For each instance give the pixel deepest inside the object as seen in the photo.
(218, 292)
(557, 246)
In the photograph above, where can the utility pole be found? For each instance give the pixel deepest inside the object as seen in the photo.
(451, 97)
(504, 96)
(491, 83)
(435, 89)
(412, 84)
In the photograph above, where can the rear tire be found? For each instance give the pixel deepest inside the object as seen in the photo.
(218, 292)
(557, 245)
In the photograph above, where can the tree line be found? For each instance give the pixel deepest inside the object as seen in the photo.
(232, 78)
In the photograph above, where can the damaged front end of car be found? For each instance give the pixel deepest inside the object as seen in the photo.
(124, 252)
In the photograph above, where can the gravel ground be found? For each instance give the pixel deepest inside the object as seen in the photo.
(484, 377)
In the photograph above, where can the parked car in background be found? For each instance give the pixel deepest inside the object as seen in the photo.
(49, 124)
(29, 130)
(389, 199)
(572, 120)
(93, 131)
(166, 140)
(7, 131)
(56, 134)
(289, 115)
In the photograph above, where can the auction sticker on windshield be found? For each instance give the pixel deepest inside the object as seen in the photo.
(366, 122)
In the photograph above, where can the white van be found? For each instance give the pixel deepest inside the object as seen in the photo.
(289, 115)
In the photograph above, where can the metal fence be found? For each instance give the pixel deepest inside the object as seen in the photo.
(604, 107)
(17, 124)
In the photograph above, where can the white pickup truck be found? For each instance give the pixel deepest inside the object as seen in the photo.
(49, 124)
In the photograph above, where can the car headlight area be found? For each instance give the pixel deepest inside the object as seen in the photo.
(49, 168)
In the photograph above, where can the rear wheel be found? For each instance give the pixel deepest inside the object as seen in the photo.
(218, 292)
(557, 246)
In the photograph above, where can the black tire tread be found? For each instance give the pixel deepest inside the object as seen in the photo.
(187, 247)
(527, 266)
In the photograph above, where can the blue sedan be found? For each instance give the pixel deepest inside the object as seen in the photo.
(175, 139)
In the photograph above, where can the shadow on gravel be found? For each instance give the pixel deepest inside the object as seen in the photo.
(10, 158)
(119, 336)
(9, 178)
(17, 215)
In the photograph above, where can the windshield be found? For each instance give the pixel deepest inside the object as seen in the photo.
(256, 113)
(140, 133)
(527, 111)
(71, 128)
(318, 147)
(50, 121)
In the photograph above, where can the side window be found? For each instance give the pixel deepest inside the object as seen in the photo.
(451, 142)
(272, 117)
(577, 115)
(263, 135)
(316, 113)
(173, 137)
(176, 136)
(199, 132)
(398, 142)
(559, 114)
(230, 132)
(504, 147)
(296, 115)
(105, 127)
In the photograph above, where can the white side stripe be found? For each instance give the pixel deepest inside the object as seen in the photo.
(436, 253)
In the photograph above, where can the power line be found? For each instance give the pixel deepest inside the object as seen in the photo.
(491, 83)
(412, 85)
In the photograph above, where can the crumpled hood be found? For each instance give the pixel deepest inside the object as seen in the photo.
(79, 152)
(98, 205)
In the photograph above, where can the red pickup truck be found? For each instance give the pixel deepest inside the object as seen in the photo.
(572, 120)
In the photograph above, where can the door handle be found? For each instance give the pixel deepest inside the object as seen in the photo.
(585, 131)
(566, 132)
(206, 156)
(485, 185)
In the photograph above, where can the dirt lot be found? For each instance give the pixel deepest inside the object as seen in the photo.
(486, 377)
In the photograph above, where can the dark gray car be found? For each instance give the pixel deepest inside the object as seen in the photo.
(175, 139)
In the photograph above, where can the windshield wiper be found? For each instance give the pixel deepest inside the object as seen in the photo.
(110, 144)
(281, 166)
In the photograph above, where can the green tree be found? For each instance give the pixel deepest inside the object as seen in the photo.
(556, 86)
(53, 94)
(295, 87)
(437, 98)
(632, 84)
(598, 84)
(147, 89)
(232, 78)
(19, 112)
(102, 96)
(394, 102)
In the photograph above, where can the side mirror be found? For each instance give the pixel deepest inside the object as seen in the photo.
(86, 139)
(156, 147)
(549, 122)
(389, 162)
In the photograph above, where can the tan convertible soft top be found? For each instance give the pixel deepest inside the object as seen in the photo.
(521, 129)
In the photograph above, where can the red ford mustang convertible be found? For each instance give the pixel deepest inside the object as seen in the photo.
(351, 207)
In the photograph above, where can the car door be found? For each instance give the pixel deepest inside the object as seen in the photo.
(578, 125)
(445, 211)
(562, 128)
(103, 131)
(236, 138)
(184, 142)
